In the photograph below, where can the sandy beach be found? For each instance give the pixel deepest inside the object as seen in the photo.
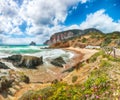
(87, 53)
(47, 75)
(49, 72)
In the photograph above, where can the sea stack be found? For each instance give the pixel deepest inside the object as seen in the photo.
(33, 43)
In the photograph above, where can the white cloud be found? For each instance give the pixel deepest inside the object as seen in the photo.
(100, 20)
(43, 18)
(84, 1)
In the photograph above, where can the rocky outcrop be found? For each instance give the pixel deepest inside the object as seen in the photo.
(65, 35)
(5, 83)
(33, 43)
(58, 62)
(3, 66)
(60, 36)
(25, 61)
(11, 82)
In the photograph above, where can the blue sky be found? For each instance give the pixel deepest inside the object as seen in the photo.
(23, 21)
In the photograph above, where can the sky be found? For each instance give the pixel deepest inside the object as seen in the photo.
(23, 21)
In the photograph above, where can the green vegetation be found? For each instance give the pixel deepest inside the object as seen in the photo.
(93, 88)
(24, 78)
(84, 40)
(107, 41)
(74, 79)
(94, 57)
(104, 63)
(98, 86)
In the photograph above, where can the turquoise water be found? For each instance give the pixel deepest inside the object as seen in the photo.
(20, 49)
(37, 51)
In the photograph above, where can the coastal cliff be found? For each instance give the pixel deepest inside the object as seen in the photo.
(84, 38)
(69, 34)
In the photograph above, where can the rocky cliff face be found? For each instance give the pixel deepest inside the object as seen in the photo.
(65, 35)
(60, 36)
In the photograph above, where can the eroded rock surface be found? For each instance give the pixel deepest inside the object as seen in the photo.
(58, 62)
(25, 61)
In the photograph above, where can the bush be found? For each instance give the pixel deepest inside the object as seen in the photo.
(105, 63)
(25, 79)
(94, 57)
(84, 40)
(74, 79)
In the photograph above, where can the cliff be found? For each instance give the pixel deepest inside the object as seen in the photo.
(60, 36)
(87, 37)
(69, 34)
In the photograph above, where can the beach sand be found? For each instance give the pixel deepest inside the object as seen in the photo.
(49, 72)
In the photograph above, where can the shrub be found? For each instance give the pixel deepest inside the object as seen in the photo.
(94, 57)
(25, 79)
(74, 79)
(105, 63)
(84, 40)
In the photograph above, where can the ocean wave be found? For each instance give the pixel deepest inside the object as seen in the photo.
(6, 51)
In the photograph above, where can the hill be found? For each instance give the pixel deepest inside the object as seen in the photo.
(69, 34)
(94, 79)
(83, 38)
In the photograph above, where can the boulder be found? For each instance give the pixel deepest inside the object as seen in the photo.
(12, 91)
(3, 66)
(25, 61)
(58, 62)
(14, 58)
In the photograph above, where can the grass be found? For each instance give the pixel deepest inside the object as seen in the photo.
(94, 57)
(105, 63)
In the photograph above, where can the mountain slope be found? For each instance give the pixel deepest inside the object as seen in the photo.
(82, 38)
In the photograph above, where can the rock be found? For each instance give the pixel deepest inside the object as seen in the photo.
(33, 43)
(3, 66)
(12, 91)
(10, 97)
(16, 87)
(66, 35)
(25, 61)
(21, 84)
(5, 83)
(14, 58)
(58, 62)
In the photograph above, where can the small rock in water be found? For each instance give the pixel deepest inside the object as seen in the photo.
(33, 43)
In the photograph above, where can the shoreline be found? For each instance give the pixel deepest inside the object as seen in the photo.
(79, 55)
(87, 53)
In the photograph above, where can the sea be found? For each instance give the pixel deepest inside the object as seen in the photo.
(38, 51)
(45, 72)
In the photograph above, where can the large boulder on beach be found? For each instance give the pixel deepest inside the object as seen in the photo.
(25, 61)
(14, 58)
(58, 62)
